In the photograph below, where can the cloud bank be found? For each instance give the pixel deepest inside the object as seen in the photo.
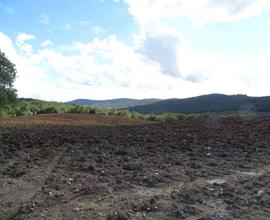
(160, 63)
(198, 12)
(106, 68)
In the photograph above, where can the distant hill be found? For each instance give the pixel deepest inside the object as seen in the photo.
(213, 103)
(113, 103)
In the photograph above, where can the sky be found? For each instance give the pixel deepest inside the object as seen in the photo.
(105, 49)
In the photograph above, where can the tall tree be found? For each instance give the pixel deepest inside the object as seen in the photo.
(7, 77)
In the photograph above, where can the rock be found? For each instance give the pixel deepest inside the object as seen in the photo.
(77, 209)
(110, 191)
(260, 193)
(51, 194)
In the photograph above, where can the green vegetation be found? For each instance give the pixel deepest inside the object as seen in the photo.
(7, 76)
(170, 117)
(24, 107)
(32, 107)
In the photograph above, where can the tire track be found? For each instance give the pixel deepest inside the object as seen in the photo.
(29, 191)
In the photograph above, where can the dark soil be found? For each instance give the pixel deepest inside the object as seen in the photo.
(57, 167)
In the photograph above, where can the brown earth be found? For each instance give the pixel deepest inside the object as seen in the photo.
(70, 119)
(67, 166)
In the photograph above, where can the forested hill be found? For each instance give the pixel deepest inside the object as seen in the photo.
(113, 103)
(213, 103)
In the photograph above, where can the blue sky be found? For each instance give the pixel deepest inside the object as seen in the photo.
(96, 49)
(53, 19)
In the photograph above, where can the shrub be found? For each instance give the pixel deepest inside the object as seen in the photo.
(93, 111)
(79, 109)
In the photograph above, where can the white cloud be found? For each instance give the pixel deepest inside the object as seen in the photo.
(21, 40)
(120, 64)
(23, 37)
(6, 45)
(160, 64)
(107, 68)
(198, 12)
(162, 46)
(98, 30)
(29, 80)
(46, 43)
(84, 74)
(169, 49)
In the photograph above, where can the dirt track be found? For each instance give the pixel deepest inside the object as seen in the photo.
(90, 167)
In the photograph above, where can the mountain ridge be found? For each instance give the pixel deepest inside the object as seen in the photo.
(113, 103)
(212, 103)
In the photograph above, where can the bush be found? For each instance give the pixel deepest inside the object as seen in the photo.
(79, 109)
(3, 114)
(135, 115)
(113, 112)
(93, 111)
(123, 113)
(152, 118)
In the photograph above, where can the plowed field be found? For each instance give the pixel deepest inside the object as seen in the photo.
(68, 166)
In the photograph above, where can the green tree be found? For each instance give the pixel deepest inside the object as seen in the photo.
(7, 77)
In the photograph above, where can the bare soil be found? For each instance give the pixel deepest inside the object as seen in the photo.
(68, 166)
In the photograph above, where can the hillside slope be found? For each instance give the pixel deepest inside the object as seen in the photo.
(213, 103)
(113, 103)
